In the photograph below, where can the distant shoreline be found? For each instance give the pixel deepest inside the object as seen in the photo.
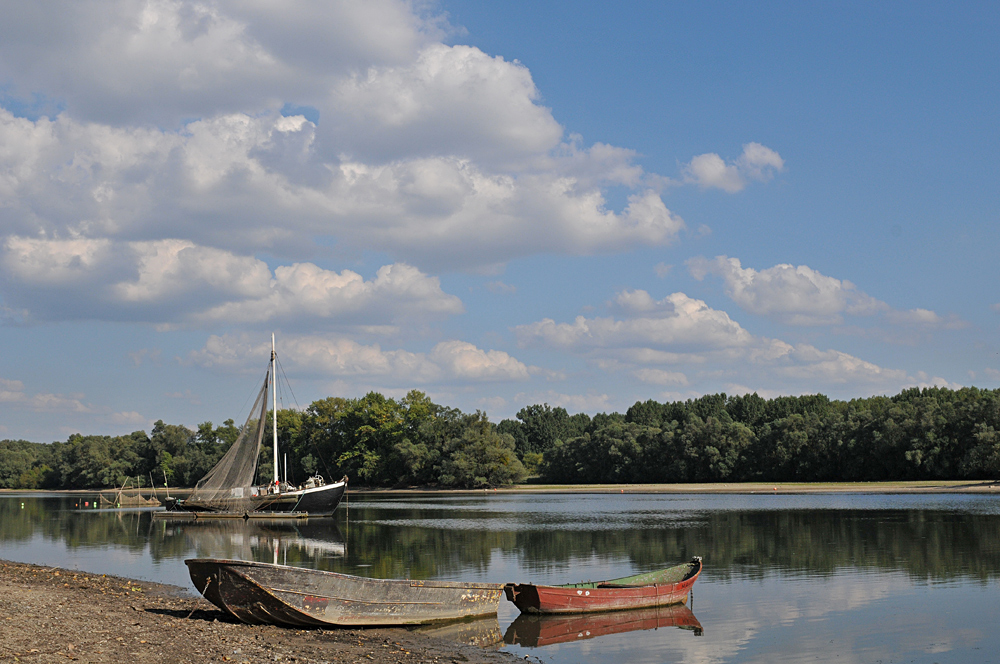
(739, 488)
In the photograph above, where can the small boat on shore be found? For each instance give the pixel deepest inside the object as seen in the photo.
(535, 630)
(668, 586)
(261, 593)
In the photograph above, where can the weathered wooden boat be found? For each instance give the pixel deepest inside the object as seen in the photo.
(536, 630)
(229, 488)
(668, 586)
(259, 593)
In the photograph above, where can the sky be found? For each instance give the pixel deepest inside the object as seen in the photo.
(583, 204)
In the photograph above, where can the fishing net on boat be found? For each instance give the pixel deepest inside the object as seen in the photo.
(229, 486)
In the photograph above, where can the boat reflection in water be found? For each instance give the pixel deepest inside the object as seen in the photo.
(534, 630)
(275, 541)
(482, 632)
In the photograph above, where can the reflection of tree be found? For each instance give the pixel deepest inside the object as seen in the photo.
(440, 542)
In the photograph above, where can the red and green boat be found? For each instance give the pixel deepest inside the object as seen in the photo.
(661, 588)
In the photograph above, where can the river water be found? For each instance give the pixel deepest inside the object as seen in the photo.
(787, 578)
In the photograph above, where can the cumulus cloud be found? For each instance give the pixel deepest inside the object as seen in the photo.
(799, 295)
(757, 162)
(677, 322)
(835, 367)
(14, 395)
(223, 181)
(793, 295)
(163, 60)
(681, 341)
(448, 361)
(176, 280)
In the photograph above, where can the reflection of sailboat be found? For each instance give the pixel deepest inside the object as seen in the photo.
(535, 630)
(257, 539)
(229, 486)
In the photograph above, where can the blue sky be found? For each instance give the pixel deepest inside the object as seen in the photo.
(581, 204)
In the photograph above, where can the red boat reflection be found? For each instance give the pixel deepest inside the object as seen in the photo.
(535, 630)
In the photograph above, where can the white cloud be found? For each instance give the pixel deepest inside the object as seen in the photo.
(660, 376)
(176, 280)
(925, 318)
(662, 269)
(131, 418)
(834, 367)
(450, 100)
(676, 321)
(574, 403)
(463, 360)
(681, 341)
(223, 181)
(448, 361)
(163, 60)
(501, 288)
(802, 296)
(793, 295)
(757, 162)
(13, 394)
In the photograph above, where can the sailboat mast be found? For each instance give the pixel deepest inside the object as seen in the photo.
(274, 408)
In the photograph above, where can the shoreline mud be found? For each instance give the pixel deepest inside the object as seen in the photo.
(51, 614)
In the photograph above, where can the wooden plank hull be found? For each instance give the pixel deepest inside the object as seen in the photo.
(605, 595)
(535, 630)
(276, 594)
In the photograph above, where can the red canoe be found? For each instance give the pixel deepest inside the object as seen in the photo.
(669, 586)
(534, 630)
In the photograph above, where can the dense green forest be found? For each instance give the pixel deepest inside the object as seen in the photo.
(933, 433)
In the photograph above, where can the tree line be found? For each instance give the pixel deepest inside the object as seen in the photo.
(918, 434)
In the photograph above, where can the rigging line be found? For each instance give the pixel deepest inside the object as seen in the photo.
(287, 383)
(254, 393)
(311, 442)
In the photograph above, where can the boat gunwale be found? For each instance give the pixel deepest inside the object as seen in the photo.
(694, 570)
(413, 583)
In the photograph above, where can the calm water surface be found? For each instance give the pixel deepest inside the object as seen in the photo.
(845, 578)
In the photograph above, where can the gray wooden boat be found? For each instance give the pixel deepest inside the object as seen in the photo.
(294, 596)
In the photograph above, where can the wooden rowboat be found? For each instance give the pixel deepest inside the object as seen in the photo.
(294, 596)
(534, 630)
(669, 586)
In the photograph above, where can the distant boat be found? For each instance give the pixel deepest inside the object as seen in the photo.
(122, 499)
(261, 593)
(535, 630)
(668, 586)
(228, 488)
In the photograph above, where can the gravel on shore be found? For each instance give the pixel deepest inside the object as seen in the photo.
(57, 615)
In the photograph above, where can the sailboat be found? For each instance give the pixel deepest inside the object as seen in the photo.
(229, 488)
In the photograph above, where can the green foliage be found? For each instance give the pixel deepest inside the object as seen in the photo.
(933, 433)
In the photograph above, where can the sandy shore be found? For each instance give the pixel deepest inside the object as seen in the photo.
(56, 615)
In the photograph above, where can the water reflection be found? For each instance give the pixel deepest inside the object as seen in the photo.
(533, 630)
(483, 632)
(301, 542)
(787, 578)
